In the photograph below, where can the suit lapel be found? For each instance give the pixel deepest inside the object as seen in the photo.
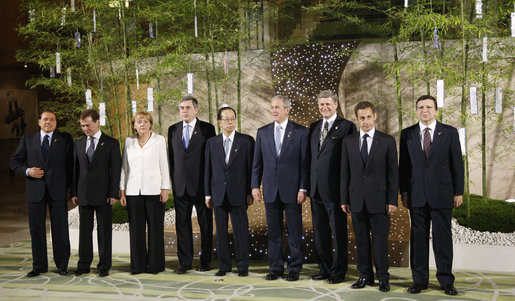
(219, 149)
(356, 154)
(288, 134)
(416, 143)
(55, 139)
(376, 143)
(437, 137)
(35, 142)
(99, 148)
(194, 139)
(81, 149)
(271, 137)
(335, 126)
(234, 149)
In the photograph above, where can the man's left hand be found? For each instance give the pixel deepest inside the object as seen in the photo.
(301, 197)
(390, 209)
(111, 201)
(458, 200)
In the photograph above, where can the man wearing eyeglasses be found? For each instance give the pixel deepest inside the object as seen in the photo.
(227, 178)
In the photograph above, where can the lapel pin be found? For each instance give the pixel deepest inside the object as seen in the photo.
(195, 132)
(439, 133)
(102, 144)
(235, 150)
(55, 140)
(289, 134)
(336, 127)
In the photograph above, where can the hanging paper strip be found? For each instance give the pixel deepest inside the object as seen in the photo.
(498, 100)
(137, 79)
(94, 21)
(190, 83)
(89, 101)
(102, 109)
(440, 93)
(63, 18)
(462, 132)
(134, 107)
(479, 9)
(473, 100)
(58, 63)
(69, 76)
(72, 5)
(150, 99)
(513, 118)
(32, 14)
(513, 25)
(435, 38)
(151, 30)
(119, 13)
(195, 9)
(101, 81)
(485, 49)
(52, 72)
(77, 39)
(405, 3)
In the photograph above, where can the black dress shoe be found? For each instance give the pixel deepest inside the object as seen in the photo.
(33, 273)
(334, 280)
(103, 273)
(417, 288)
(62, 272)
(449, 289)
(79, 272)
(292, 276)
(220, 273)
(183, 269)
(362, 282)
(204, 268)
(384, 286)
(319, 276)
(273, 275)
(243, 273)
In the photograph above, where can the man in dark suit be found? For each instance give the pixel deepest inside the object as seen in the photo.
(96, 182)
(281, 160)
(186, 147)
(431, 185)
(227, 187)
(45, 159)
(325, 141)
(369, 181)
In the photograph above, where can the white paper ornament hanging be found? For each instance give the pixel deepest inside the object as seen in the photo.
(119, 13)
(69, 76)
(485, 49)
(498, 100)
(473, 100)
(150, 99)
(513, 25)
(462, 133)
(440, 93)
(151, 30)
(94, 21)
(137, 79)
(479, 9)
(189, 77)
(32, 14)
(63, 17)
(405, 3)
(102, 112)
(77, 39)
(134, 107)
(89, 101)
(195, 11)
(72, 5)
(58, 63)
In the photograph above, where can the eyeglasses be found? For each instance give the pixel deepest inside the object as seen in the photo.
(233, 119)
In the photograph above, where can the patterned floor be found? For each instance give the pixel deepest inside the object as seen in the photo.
(15, 262)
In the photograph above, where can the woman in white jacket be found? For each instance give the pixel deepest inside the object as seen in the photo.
(144, 186)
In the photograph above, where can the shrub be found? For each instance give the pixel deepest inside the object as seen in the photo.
(120, 212)
(492, 215)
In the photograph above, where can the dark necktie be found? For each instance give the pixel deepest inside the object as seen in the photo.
(186, 138)
(45, 147)
(325, 129)
(427, 141)
(364, 149)
(91, 148)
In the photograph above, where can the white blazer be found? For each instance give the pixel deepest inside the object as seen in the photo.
(145, 169)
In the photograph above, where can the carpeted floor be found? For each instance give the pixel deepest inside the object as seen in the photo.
(15, 262)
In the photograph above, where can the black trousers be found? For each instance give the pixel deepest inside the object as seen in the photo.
(421, 218)
(363, 223)
(240, 227)
(104, 215)
(183, 208)
(59, 228)
(274, 221)
(327, 215)
(143, 211)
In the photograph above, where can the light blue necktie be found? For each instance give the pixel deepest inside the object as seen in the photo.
(277, 139)
(186, 139)
(227, 149)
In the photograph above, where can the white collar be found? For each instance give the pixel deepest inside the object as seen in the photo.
(431, 126)
(231, 136)
(283, 124)
(192, 123)
(369, 133)
(97, 135)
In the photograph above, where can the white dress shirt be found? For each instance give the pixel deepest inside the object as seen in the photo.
(423, 127)
(95, 141)
(145, 169)
(369, 138)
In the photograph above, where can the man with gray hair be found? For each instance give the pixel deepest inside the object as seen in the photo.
(325, 144)
(281, 161)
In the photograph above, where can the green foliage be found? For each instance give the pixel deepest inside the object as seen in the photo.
(120, 212)
(492, 215)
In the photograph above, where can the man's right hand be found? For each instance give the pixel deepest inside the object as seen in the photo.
(36, 172)
(346, 208)
(256, 194)
(74, 200)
